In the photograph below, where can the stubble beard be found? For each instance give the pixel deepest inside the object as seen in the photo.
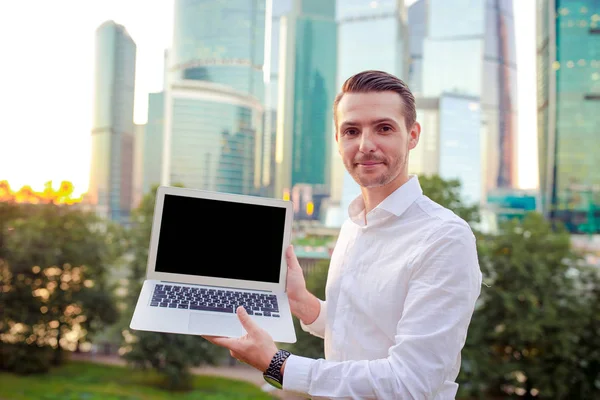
(387, 176)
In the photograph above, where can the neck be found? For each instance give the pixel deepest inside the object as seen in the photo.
(372, 196)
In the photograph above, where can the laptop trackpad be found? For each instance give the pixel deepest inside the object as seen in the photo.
(215, 325)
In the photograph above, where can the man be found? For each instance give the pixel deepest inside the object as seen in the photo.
(403, 278)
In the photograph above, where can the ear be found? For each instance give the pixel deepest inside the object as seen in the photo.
(414, 135)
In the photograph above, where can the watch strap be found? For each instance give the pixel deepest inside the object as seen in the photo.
(274, 369)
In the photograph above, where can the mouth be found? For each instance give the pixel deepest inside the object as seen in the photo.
(369, 163)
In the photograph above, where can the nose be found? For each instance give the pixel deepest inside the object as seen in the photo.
(367, 142)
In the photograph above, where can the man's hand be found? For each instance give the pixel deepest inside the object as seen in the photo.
(256, 348)
(303, 304)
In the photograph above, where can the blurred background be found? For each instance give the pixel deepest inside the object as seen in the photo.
(105, 100)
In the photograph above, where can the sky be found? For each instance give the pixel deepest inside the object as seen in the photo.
(47, 75)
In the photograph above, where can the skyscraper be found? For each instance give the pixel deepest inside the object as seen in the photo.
(307, 74)
(220, 42)
(372, 35)
(467, 48)
(568, 61)
(275, 10)
(153, 142)
(110, 187)
(138, 165)
(213, 122)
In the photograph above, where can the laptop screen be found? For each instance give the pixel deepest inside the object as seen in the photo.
(220, 239)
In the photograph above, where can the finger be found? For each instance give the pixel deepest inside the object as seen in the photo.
(249, 325)
(290, 256)
(226, 342)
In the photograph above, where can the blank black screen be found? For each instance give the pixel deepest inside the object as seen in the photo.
(220, 239)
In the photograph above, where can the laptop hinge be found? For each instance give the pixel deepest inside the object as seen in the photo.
(219, 287)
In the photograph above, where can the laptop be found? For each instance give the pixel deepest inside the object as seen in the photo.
(209, 253)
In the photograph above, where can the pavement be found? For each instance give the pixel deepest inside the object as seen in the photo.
(239, 371)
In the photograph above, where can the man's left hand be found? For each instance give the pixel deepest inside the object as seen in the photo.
(256, 348)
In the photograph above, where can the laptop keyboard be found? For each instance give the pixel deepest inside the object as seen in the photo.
(225, 301)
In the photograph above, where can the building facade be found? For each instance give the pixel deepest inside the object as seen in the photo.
(450, 142)
(138, 165)
(214, 116)
(568, 62)
(220, 42)
(153, 142)
(212, 138)
(306, 88)
(111, 174)
(475, 59)
(459, 144)
(275, 11)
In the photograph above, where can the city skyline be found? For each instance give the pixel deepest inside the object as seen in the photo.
(69, 106)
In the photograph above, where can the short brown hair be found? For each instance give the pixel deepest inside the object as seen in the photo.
(379, 81)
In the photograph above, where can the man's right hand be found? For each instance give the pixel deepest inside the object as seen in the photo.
(303, 304)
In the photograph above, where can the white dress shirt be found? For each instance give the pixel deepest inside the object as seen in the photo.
(400, 294)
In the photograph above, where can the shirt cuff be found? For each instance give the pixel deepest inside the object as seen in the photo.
(295, 374)
(317, 327)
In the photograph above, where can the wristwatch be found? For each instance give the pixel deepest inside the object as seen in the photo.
(273, 374)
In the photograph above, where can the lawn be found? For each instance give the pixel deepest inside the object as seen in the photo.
(78, 380)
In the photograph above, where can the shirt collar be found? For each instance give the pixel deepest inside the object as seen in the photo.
(396, 203)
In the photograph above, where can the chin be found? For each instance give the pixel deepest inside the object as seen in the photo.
(371, 182)
(372, 185)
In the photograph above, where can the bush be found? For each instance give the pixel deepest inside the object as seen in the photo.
(535, 330)
(172, 356)
(24, 359)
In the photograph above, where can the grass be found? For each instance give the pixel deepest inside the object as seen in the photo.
(78, 380)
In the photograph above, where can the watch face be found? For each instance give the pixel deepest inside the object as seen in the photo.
(272, 381)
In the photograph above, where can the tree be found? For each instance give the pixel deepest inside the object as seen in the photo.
(54, 279)
(587, 356)
(170, 354)
(533, 333)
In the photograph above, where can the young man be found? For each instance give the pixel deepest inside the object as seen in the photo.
(403, 278)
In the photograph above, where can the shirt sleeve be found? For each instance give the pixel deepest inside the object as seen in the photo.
(317, 328)
(444, 286)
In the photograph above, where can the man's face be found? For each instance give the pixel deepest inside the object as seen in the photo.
(372, 137)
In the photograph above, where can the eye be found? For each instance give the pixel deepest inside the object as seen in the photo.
(351, 132)
(386, 128)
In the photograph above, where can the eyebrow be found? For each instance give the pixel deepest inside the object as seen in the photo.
(374, 122)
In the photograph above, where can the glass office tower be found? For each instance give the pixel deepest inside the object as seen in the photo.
(275, 10)
(307, 80)
(568, 62)
(220, 42)
(467, 48)
(213, 139)
(213, 122)
(111, 174)
(153, 141)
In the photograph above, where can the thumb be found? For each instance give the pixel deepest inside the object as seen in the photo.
(291, 259)
(249, 325)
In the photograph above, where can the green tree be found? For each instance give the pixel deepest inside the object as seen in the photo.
(532, 332)
(53, 278)
(587, 356)
(170, 354)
